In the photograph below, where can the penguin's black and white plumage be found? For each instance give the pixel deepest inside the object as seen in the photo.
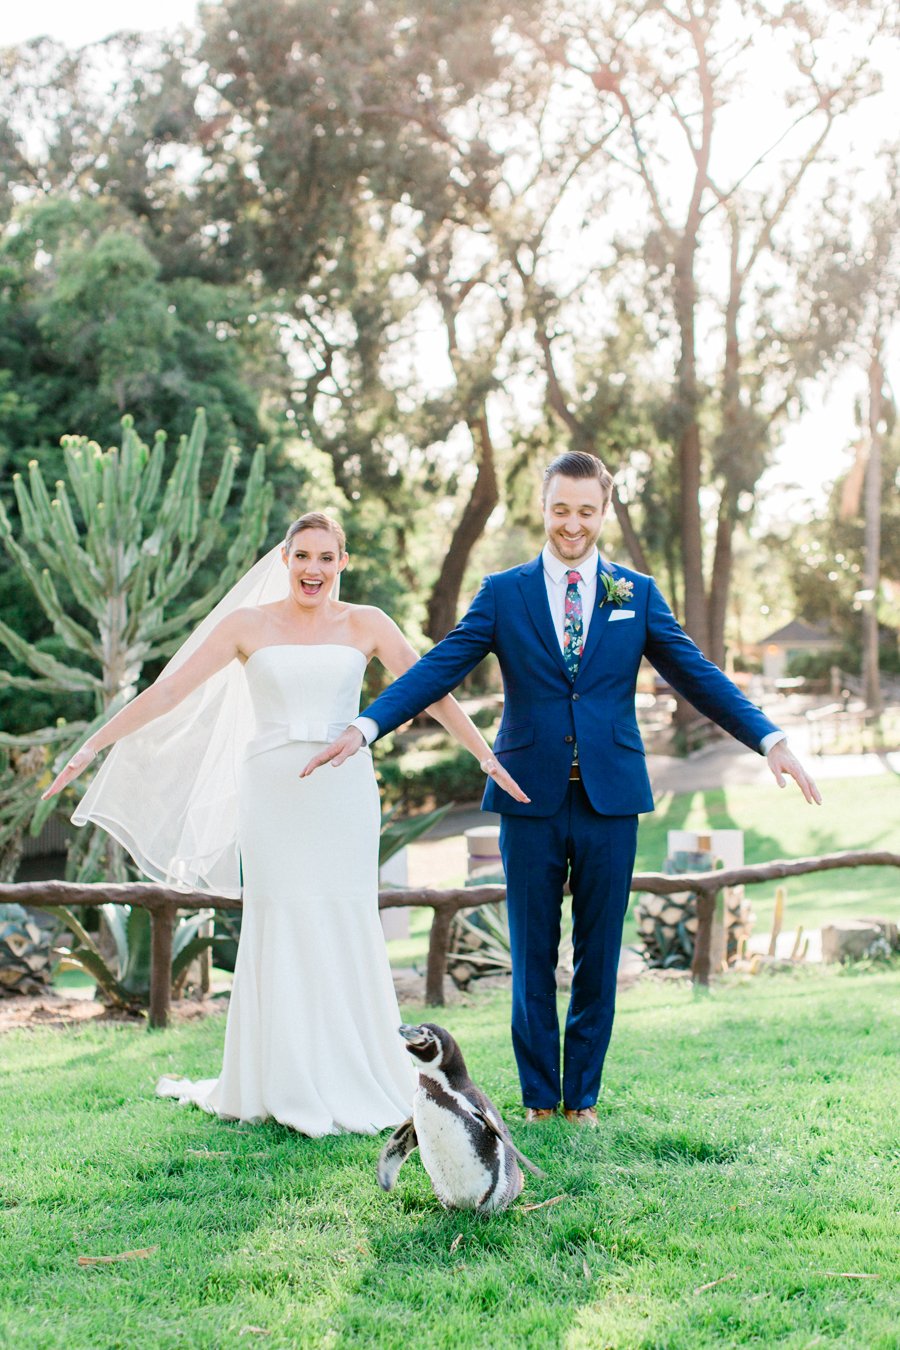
(465, 1146)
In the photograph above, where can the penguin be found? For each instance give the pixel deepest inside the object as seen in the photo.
(465, 1146)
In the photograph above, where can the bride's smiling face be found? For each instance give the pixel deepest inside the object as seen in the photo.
(313, 559)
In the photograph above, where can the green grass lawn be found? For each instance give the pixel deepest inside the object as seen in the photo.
(745, 1164)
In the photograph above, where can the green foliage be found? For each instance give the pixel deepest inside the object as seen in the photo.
(818, 665)
(124, 982)
(91, 324)
(826, 559)
(397, 835)
(93, 327)
(111, 557)
(22, 772)
(418, 777)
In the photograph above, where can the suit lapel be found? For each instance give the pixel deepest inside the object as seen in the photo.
(599, 618)
(534, 593)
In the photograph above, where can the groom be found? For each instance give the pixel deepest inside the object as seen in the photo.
(570, 629)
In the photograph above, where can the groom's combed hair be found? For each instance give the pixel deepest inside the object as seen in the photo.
(578, 464)
(317, 520)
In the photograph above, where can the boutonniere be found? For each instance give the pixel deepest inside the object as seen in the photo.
(616, 591)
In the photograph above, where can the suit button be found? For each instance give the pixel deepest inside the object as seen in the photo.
(575, 698)
(568, 739)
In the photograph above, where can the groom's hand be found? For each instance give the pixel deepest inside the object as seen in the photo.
(346, 745)
(783, 761)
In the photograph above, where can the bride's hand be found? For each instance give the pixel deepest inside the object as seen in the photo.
(494, 769)
(346, 745)
(76, 765)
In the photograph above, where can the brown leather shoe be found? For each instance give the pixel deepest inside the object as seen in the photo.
(586, 1116)
(535, 1114)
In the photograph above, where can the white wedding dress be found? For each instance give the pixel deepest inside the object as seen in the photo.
(311, 1039)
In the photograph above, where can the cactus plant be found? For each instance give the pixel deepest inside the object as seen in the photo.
(114, 558)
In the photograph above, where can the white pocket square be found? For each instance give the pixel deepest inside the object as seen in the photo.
(621, 614)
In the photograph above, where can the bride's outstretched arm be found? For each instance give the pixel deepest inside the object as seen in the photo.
(398, 655)
(222, 646)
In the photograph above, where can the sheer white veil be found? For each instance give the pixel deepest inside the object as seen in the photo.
(168, 793)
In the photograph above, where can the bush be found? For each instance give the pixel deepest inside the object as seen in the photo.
(423, 777)
(817, 665)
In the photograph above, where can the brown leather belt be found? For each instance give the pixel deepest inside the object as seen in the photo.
(575, 772)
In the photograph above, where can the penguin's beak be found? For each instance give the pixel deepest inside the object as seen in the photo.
(410, 1033)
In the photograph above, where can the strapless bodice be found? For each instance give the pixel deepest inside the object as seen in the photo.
(303, 693)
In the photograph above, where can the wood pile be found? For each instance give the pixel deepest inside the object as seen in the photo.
(667, 924)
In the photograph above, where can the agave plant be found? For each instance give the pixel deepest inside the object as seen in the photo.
(479, 943)
(397, 834)
(124, 982)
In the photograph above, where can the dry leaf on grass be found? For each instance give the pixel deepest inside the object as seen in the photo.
(455, 1243)
(205, 1153)
(254, 1331)
(140, 1254)
(702, 1288)
(587, 1270)
(845, 1275)
(554, 1200)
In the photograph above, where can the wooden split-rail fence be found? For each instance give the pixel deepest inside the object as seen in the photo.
(164, 902)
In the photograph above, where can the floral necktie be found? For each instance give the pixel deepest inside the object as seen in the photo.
(573, 628)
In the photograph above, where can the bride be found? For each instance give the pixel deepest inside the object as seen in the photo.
(210, 796)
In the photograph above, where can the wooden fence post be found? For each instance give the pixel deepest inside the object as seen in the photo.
(438, 943)
(162, 928)
(706, 908)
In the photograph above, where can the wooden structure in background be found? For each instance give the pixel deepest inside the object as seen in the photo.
(164, 902)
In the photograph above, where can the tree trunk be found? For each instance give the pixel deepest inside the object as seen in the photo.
(629, 534)
(694, 616)
(720, 584)
(443, 603)
(689, 453)
(872, 566)
(731, 448)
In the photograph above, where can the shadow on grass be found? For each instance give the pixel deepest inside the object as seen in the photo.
(668, 1147)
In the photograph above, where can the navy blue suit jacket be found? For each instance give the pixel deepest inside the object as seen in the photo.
(545, 712)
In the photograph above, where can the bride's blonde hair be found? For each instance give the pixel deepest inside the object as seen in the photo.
(317, 520)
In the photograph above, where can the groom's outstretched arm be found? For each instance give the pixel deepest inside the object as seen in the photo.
(704, 685)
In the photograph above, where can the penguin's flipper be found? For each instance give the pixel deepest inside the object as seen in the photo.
(395, 1153)
(489, 1124)
(526, 1162)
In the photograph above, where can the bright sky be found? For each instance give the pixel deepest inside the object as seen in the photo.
(814, 450)
(77, 23)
